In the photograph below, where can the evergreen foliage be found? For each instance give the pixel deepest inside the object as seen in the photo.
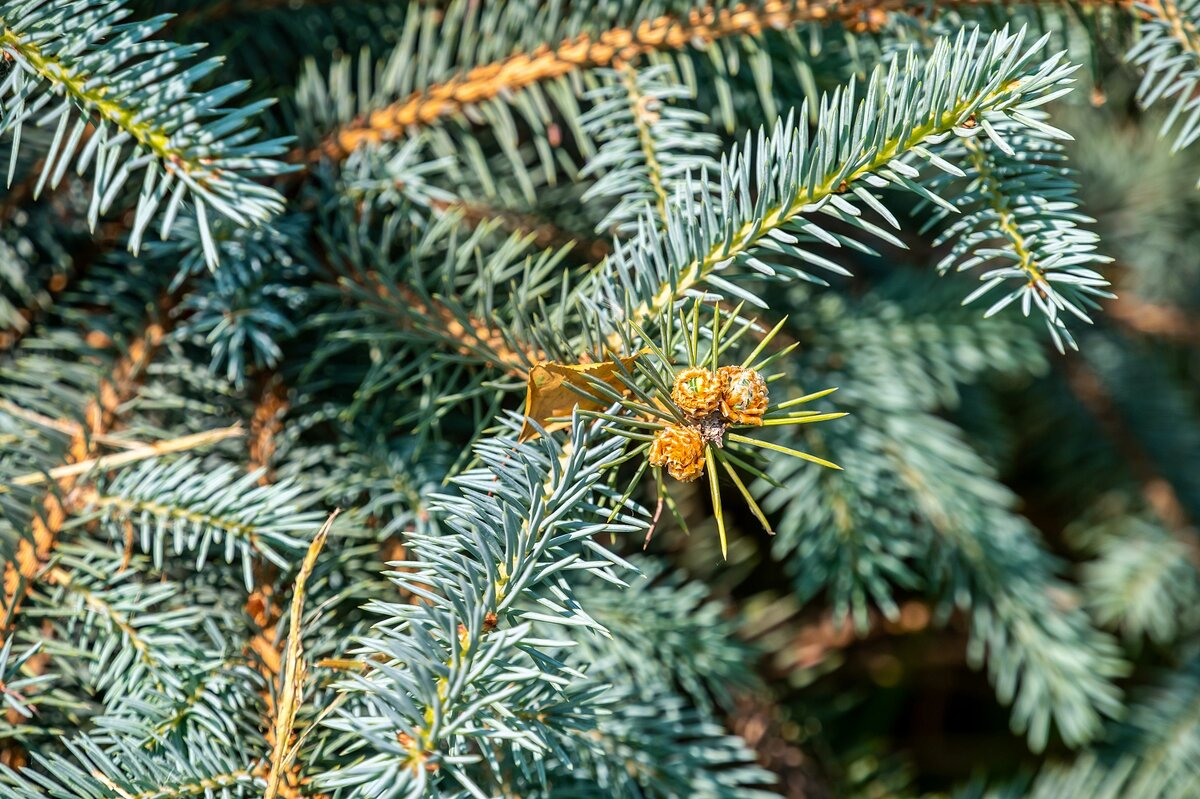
(411, 399)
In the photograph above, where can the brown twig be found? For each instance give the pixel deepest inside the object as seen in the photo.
(141, 453)
(612, 47)
(658, 509)
(291, 690)
(64, 426)
(474, 337)
(265, 423)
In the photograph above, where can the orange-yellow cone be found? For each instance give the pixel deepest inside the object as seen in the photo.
(681, 450)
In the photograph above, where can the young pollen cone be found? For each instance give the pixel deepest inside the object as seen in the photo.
(743, 395)
(697, 391)
(681, 450)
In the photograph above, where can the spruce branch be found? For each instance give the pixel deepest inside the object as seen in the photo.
(219, 509)
(1041, 653)
(772, 192)
(456, 662)
(665, 630)
(191, 768)
(913, 485)
(657, 746)
(246, 310)
(644, 117)
(80, 66)
(130, 613)
(648, 144)
(214, 698)
(415, 303)
(473, 337)
(1018, 215)
(1142, 574)
(418, 295)
(99, 413)
(1152, 753)
(14, 685)
(1168, 50)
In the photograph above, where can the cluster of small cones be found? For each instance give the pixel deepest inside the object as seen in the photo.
(711, 402)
